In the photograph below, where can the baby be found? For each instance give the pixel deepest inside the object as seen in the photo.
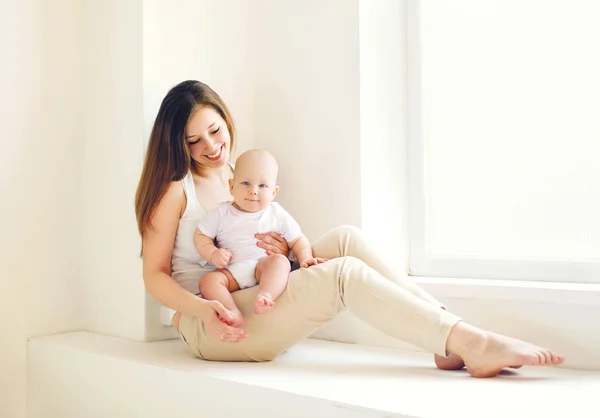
(240, 262)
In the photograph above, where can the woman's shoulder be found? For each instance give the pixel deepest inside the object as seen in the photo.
(175, 197)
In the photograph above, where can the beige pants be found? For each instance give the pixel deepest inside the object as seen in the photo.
(355, 278)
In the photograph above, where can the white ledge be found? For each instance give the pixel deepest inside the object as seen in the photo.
(315, 378)
(513, 290)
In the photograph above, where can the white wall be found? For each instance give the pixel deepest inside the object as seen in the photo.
(113, 291)
(40, 143)
(307, 107)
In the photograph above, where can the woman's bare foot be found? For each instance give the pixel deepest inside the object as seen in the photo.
(487, 354)
(263, 303)
(452, 362)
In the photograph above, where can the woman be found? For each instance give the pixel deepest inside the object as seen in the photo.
(186, 174)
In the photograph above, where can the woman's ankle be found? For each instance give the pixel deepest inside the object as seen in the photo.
(463, 338)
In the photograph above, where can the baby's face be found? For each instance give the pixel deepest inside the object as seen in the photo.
(253, 186)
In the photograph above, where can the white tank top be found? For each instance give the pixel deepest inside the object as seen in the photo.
(187, 266)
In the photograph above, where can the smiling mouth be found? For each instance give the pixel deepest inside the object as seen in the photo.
(217, 154)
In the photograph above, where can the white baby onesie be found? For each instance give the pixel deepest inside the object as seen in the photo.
(235, 230)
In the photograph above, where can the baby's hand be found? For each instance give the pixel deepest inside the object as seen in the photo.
(220, 258)
(312, 261)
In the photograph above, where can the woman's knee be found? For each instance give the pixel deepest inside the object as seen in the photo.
(347, 231)
(175, 320)
(340, 241)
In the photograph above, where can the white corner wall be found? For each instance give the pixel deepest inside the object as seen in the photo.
(40, 144)
(113, 137)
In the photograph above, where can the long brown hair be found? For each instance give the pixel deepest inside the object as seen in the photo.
(168, 157)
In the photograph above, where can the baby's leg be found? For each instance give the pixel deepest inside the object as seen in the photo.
(218, 285)
(272, 274)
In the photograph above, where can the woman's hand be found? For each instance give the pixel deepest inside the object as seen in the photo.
(273, 243)
(215, 318)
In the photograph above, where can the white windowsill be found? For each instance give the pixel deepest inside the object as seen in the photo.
(313, 378)
(513, 290)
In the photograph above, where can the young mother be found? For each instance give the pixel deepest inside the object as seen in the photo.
(186, 174)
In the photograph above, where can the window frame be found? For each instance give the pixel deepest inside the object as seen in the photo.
(421, 262)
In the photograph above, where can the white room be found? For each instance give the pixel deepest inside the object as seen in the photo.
(460, 137)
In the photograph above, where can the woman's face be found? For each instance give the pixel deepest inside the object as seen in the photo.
(208, 138)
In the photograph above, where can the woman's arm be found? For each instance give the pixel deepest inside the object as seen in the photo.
(158, 248)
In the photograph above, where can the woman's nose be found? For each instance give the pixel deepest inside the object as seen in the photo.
(210, 144)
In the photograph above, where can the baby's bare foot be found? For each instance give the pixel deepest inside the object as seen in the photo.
(488, 354)
(263, 303)
(238, 320)
(452, 362)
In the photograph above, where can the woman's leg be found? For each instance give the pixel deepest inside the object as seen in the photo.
(317, 294)
(350, 241)
(314, 296)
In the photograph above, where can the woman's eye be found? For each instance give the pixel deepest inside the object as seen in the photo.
(195, 142)
(216, 131)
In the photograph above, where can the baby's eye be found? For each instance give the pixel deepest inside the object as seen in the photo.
(264, 186)
(245, 183)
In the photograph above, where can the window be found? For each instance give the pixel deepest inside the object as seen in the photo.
(504, 139)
